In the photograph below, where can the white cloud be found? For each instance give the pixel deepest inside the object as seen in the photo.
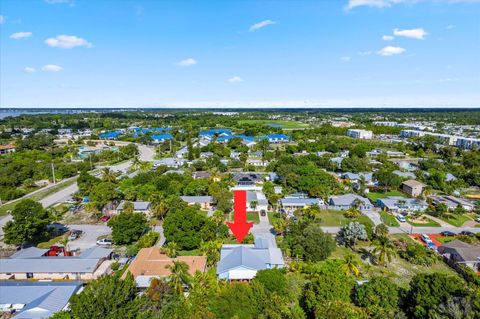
(345, 58)
(260, 25)
(20, 35)
(390, 50)
(448, 80)
(67, 42)
(363, 53)
(188, 62)
(450, 27)
(387, 38)
(388, 3)
(235, 79)
(51, 68)
(71, 2)
(2, 19)
(29, 69)
(417, 33)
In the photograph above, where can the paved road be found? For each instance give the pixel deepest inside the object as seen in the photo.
(147, 153)
(89, 237)
(60, 196)
(374, 216)
(407, 229)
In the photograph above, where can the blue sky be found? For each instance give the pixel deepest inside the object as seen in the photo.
(338, 53)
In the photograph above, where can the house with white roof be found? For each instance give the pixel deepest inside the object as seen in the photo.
(242, 262)
(205, 202)
(401, 204)
(292, 203)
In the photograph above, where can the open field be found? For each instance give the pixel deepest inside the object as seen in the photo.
(336, 218)
(422, 221)
(286, 125)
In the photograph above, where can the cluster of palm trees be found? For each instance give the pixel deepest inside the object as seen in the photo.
(383, 252)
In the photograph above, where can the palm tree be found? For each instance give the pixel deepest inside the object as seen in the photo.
(215, 174)
(253, 205)
(160, 209)
(218, 217)
(381, 230)
(211, 249)
(171, 249)
(136, 162)
(351, 265)
(384, 250)
(179, 276)
(108, 175)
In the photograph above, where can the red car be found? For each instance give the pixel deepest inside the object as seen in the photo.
(105, 218)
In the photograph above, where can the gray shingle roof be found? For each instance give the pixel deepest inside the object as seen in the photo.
(136, 205)
(348, 199)
(197, 199)
(293, 201)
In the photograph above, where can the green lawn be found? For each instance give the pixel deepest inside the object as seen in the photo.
(428, 223)
(455, 220)
(446, 239)
(373, 196)
(37, 196)
(389, 219)
(53, 241)
(287, 125)
(336, 218)
(253, 217)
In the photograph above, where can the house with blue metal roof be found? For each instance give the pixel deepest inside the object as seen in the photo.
(241, 262)
(32, 300)
(110, 135)
(218, 131)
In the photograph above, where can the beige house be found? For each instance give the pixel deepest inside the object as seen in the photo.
(32, 264)
(413, 188)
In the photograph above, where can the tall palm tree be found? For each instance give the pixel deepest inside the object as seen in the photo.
(179, 276)
(211, 249)
(351, 265)
(384, 250)
(171, 249)
(108, 175)
(253, 205)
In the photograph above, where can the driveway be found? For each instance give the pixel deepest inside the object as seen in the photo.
(373, 215)
(159, 230)
(89, 236)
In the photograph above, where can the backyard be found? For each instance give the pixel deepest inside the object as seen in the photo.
(336, 218)
(373, 196)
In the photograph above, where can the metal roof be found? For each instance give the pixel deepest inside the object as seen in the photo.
(41, 299)
(348, 199)
(197, 199)
(136, 205)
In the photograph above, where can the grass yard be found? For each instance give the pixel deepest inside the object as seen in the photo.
(373, 196)
(286, 125)
(389, 219)
(422, 221)
(336, 218)
(445, 239)
(272, 217)
(455, 220)
(38, 196)
(253, 217)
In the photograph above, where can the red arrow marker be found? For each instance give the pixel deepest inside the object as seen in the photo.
(240, 227)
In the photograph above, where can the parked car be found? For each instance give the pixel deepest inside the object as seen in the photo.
(104, 242)
(401, 218)
(262, 212)
(74, 234)
(448, 233)
(466, 233)
(431, 245)
(426, 238)
(105, 218)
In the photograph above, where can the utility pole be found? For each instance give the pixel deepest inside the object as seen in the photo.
(53, 173)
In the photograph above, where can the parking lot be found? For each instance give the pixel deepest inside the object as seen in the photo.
(89, 236)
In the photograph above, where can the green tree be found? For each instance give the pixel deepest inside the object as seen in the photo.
(106, 297)
(127, 227)
(103, 193)
(108, 175)
(170, 249)
(211, 249)
(429, 291)
(384, 250)
(188, 227)
(28, 225)
(308, 241)
(273, 280)
(378, 292)
(352, 233)
(351, 266)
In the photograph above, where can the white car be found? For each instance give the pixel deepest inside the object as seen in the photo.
(401, 218)
(426, 238)
(104, 242)
(477, 219)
